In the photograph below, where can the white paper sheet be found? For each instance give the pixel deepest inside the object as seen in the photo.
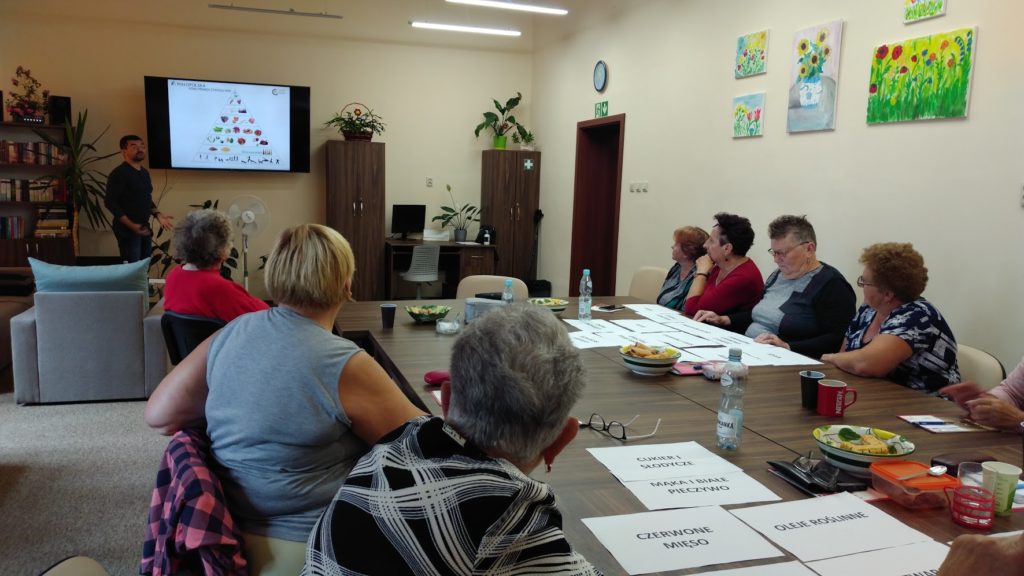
(920, 558)
(678, 539)
(700, 490)
(583, 340)
(655, 312)
(654, 461)
(829, 526)
(642, 327)
(780, 569)
(592, 325)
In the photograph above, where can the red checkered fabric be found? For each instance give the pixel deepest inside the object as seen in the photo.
(189, 524)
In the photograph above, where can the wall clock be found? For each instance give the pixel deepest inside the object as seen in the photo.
(600, 76)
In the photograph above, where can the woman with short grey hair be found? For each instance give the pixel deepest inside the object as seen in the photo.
(455, 497)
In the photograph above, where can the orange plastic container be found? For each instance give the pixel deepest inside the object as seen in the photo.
(924, 491)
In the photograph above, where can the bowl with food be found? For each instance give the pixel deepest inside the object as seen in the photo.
(428, 314)
(556, 305)
(647, 360)
(854, 448)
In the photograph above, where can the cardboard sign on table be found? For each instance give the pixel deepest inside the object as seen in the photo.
(652, 461)
(700, 490)
(778, 569)
(920, 558)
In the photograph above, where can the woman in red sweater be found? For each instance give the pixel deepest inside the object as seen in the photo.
(726, 280)
(202, 240)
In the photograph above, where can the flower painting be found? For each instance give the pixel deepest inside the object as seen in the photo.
(814, 79)
(751, 54)
(914, 10)
(748, 115)
(922, 78)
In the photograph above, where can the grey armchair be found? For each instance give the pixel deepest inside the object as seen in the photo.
(81, 346)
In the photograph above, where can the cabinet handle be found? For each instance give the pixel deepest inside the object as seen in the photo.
(360, 207)
(477, 257)
(518, 212)
(353, 207)
(510, 214)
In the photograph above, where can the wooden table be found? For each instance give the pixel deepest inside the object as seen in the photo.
(776, 427)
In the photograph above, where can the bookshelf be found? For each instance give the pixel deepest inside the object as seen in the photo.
(36, 216)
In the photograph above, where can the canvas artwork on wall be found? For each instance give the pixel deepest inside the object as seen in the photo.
(922, 78)
(915, 10)
(752, 54)
(814, 78)
(748, 115)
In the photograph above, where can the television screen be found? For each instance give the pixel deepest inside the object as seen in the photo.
(212, 125)
(407, 218)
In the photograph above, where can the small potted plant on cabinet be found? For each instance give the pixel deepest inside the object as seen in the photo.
(501, 124)
(356, 121)
(458, 217)
(525, 141)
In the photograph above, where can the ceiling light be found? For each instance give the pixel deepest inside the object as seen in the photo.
(512, 6)
(472, 29)
(288, 12)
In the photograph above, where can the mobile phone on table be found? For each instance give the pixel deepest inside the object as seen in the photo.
(611, 307)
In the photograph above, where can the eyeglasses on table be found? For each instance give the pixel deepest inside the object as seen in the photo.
(614, 428)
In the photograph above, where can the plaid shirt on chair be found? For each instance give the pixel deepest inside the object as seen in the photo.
(189, 523)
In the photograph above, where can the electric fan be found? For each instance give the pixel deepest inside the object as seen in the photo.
(250, 217)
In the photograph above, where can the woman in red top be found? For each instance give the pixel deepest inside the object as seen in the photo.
(203, 241)
(726, 280)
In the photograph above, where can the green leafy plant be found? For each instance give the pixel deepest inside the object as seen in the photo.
(458, 217)
(526, 137)
(503, 121)
(360, 119)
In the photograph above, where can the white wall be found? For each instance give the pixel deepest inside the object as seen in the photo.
(951, 187)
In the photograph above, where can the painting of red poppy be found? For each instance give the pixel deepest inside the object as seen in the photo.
(922, 78)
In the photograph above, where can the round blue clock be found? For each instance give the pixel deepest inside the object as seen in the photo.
(600, 76)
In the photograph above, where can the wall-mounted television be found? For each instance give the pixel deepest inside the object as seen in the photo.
(214, 125)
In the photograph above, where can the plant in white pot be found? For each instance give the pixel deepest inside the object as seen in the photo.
(456, 216)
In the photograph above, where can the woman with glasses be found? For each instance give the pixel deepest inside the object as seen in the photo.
(806, 305)
(454, 495)
(897, 334)
(726, 281)
(687, 246)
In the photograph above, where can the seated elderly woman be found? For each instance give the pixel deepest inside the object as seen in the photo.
(897, 334)
(726, 281)
(203, 241)
(454, 496)
(806, 305)
(687, 246)
(1001, 407)
(288, 406)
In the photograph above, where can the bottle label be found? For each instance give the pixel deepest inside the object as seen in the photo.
(728, 424)
(726, 379)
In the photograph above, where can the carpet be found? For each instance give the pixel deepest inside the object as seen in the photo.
(75, 479)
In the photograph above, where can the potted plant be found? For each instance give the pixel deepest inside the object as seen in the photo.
(525, 141)
(458, 217)
(356, 121)
(30, 105)
(502, 122)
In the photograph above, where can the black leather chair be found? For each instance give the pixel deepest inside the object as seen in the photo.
(182, 333)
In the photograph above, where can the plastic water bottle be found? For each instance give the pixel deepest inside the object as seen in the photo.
(730, 407)
(586, 296)
(487, 237)
(507, 294)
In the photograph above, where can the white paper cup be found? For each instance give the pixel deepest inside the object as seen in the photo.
(1001, 478)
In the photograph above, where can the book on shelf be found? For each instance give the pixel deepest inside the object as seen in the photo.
(37, 153)
(37, 190)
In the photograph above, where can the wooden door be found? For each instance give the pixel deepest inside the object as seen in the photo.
(497, 201)
(527, 170)
(595, 211)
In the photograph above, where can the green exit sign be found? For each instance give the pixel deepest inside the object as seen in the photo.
(601, 109)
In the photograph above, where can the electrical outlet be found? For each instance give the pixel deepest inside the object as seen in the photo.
(642, 187)
(430, 182)
(633, 186)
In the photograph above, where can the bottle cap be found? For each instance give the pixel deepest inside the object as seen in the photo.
(735, 354)
(586, 271)
(508, 282)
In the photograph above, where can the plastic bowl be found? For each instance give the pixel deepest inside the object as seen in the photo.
(650, 366)
(854, 462)
(556, 305)
(428, 314)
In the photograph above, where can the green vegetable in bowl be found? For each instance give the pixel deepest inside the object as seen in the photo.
(848, 435)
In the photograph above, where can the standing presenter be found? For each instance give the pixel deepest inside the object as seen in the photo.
(130, 201)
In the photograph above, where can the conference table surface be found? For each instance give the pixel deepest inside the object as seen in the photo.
(776, 427)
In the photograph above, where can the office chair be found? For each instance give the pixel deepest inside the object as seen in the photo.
(647, 281)
(182, 333)
(470, 286)
(979, 366)
(423, 267)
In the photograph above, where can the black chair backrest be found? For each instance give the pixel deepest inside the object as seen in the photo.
(182, 333)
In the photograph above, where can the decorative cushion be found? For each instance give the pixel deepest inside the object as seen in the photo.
(131, 277)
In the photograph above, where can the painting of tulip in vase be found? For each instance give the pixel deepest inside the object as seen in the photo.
(923, 78)
(751, 54)
(814, 78)
(748, 115)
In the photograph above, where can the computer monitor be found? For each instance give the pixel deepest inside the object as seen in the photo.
(406, 218)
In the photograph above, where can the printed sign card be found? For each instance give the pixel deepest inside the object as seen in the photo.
(780, 569)
(654, 461)
(921, 558)
(678, 539)
(700, 490)
(829, 526)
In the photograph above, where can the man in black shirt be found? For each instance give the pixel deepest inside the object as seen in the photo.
(130, 201)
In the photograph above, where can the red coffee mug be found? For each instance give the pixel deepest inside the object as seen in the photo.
(834, 397)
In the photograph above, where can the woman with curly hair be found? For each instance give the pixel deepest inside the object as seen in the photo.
(897, 334)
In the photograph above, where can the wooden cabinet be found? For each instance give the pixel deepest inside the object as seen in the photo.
(476, 262)
(509, 199)
(36, 217)
(355, 207)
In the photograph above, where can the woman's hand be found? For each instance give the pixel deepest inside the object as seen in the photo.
(991, 411)
(704, 264)
(769, 338)
(961, 393)
(711, 318)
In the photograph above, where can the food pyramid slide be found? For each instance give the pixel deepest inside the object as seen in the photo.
(236, 138)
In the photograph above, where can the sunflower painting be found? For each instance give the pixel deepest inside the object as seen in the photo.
(751, 54)
(814, 79)
(923, 78)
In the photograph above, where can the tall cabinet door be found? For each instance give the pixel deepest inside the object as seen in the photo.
(509, 196)
(527, 176)
(355, 207)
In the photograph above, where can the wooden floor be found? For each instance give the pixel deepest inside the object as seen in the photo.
(775, 425)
